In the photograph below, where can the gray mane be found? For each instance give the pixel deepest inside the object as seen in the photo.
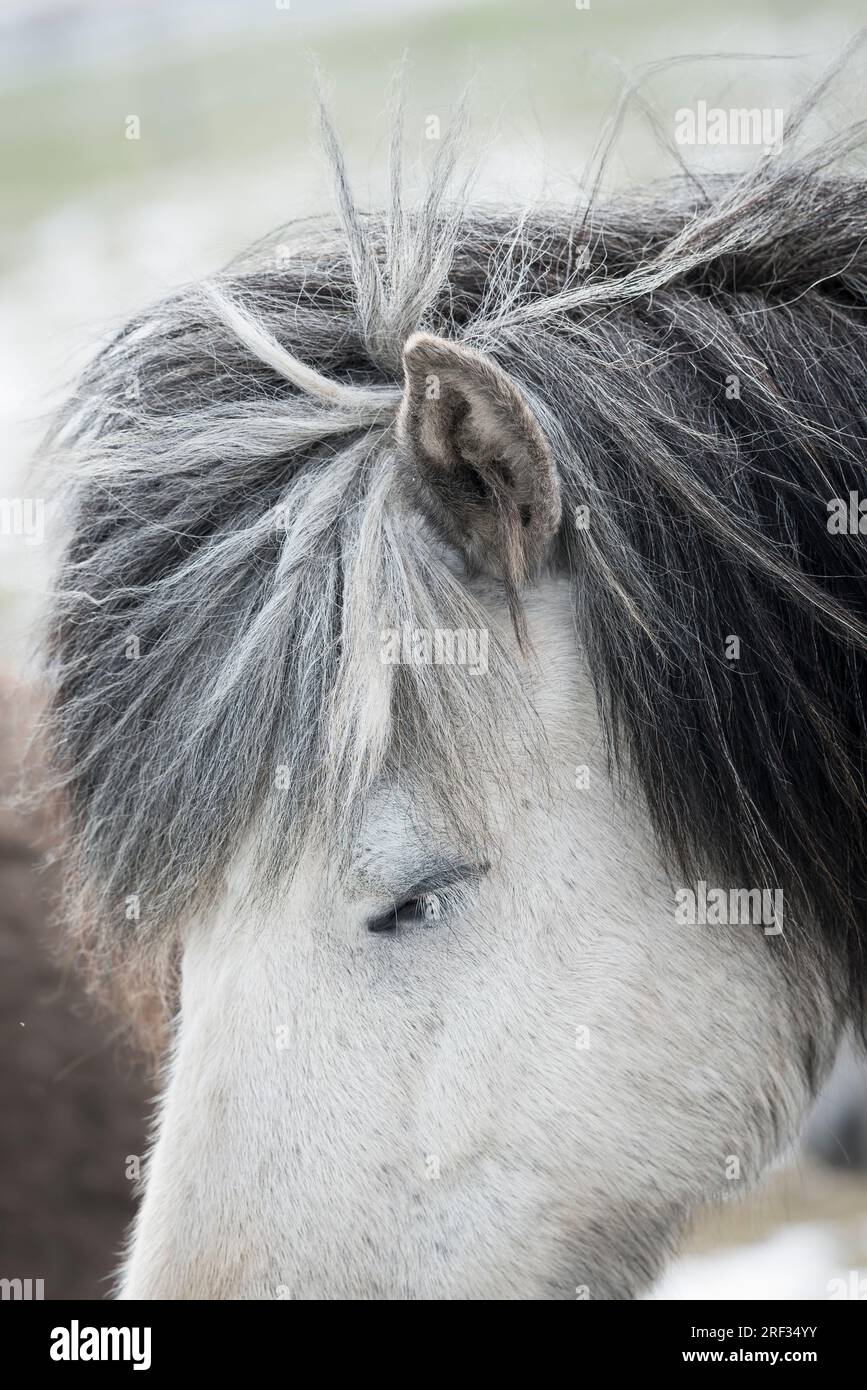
(233, 487)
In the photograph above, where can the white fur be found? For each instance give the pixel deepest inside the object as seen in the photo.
(310, 1171)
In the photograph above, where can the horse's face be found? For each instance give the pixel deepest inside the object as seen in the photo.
(519, 1090)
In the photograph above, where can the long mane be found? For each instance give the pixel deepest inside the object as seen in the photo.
(696, 356)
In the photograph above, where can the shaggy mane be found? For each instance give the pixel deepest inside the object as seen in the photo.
(233, 486)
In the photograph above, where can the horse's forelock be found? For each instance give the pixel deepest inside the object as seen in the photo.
(696, 361)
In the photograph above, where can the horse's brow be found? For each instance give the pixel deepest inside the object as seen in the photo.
(444, 875)
(432, 874)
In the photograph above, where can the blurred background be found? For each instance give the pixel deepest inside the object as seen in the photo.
(144, 143)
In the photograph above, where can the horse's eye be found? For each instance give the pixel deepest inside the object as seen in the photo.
(425, 908)
(430, 897)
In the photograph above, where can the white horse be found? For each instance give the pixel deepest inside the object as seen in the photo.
(451, 669)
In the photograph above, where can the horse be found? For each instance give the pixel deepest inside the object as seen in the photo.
(74, 1110)
(459, 676)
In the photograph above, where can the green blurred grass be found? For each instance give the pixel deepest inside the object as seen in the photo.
(235, 100)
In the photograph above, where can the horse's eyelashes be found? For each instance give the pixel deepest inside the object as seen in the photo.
(425, 908)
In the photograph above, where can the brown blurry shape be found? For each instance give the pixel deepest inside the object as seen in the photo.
(72, 1101)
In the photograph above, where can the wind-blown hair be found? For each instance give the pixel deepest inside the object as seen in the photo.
(696, 358)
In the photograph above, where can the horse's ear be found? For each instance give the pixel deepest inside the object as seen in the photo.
(478, 463)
